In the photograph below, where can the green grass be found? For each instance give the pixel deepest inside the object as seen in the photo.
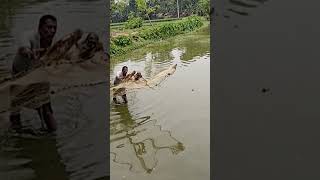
(142, 43)
(119, 27)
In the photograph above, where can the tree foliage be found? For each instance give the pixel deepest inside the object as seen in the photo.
(203, 7)
(157, 9)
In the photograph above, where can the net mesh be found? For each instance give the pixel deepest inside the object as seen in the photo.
(131, 84)
(67, 64)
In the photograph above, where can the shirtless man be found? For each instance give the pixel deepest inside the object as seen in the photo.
(33, 46)
(121, 75)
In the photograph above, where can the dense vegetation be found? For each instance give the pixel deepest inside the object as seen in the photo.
(120, 44)
(134, 22)
(121, 10)
(138, 22)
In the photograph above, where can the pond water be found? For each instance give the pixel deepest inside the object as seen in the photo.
(79, 148)
(164, 133)
(266, 90)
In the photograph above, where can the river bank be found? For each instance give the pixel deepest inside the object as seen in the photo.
(125, 41)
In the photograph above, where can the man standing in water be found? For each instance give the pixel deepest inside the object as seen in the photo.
(33, 46)
(121, 75)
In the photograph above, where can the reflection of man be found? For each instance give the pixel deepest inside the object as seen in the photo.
(32, 47)
(143, 149)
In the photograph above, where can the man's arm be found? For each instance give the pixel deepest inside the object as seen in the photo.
(24, 55)
(128, 76)
(25, 47)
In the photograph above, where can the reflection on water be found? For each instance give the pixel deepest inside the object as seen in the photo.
(242, 8)
(163, 133)
(21, 156)
(141, 136)
(65, 154)
(80, 111)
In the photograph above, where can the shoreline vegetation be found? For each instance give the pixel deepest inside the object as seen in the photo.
(135, 33)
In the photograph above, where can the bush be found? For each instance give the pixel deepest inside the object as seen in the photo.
(122, 40)
(133, 22)
(114, 49)
(171, 29)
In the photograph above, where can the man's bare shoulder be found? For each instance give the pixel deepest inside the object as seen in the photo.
(29, 34)
(26, 38)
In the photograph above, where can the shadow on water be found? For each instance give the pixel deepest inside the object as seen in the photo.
(142, 136)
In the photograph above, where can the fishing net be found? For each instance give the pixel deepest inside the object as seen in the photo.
(68, 63)
(131, 84)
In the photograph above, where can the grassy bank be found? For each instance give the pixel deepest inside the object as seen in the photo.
(134, 39)
(194, 43)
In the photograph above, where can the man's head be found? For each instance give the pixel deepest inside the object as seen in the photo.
(124, 70)
(92, 40)
(89, 46)
(47, 27)
(137, 76)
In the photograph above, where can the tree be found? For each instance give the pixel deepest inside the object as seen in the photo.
(188, 7)
(119, 10)
(204, 7)
(149, 9)
(166, 7)
(144, 8)
(132, 6)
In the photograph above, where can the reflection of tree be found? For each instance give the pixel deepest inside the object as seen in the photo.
(148, 65)
(240, 7)
(197, 45)
(9, 8)
(138, 140)
(159, 52)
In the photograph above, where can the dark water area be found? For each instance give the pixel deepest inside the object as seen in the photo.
(266, 90)
(78, 150)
